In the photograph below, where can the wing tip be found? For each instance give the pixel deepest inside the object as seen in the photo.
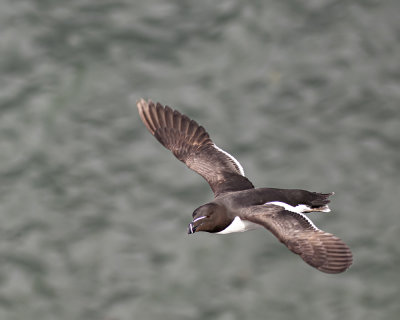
(156, 116)
(339, 257)
(144, 108)
(335, 269)
(142, 104)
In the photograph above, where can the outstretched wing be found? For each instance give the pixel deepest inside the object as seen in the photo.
(191, 144)
(319, 249)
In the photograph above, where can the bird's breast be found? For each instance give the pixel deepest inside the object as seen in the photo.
(239, 225)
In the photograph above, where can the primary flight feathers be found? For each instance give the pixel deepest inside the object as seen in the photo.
(191, 144)
(237, 205)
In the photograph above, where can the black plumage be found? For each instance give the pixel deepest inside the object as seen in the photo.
(237, 205)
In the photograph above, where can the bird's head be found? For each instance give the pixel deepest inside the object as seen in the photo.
(208, 218)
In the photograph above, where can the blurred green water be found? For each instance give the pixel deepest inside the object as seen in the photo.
(93, 211)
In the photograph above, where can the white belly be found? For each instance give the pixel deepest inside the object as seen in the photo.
(239, 225)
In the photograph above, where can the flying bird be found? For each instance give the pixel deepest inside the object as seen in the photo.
(237, 205)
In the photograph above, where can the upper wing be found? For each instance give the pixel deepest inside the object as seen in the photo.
(191, 144)
(319, 249)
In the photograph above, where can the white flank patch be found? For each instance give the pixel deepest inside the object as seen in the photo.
(299, 209)
(233, 159)
(239, 225)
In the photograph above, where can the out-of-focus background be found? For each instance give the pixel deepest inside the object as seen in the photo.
(93, 210)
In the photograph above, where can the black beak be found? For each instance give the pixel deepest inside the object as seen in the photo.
(191, 229)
